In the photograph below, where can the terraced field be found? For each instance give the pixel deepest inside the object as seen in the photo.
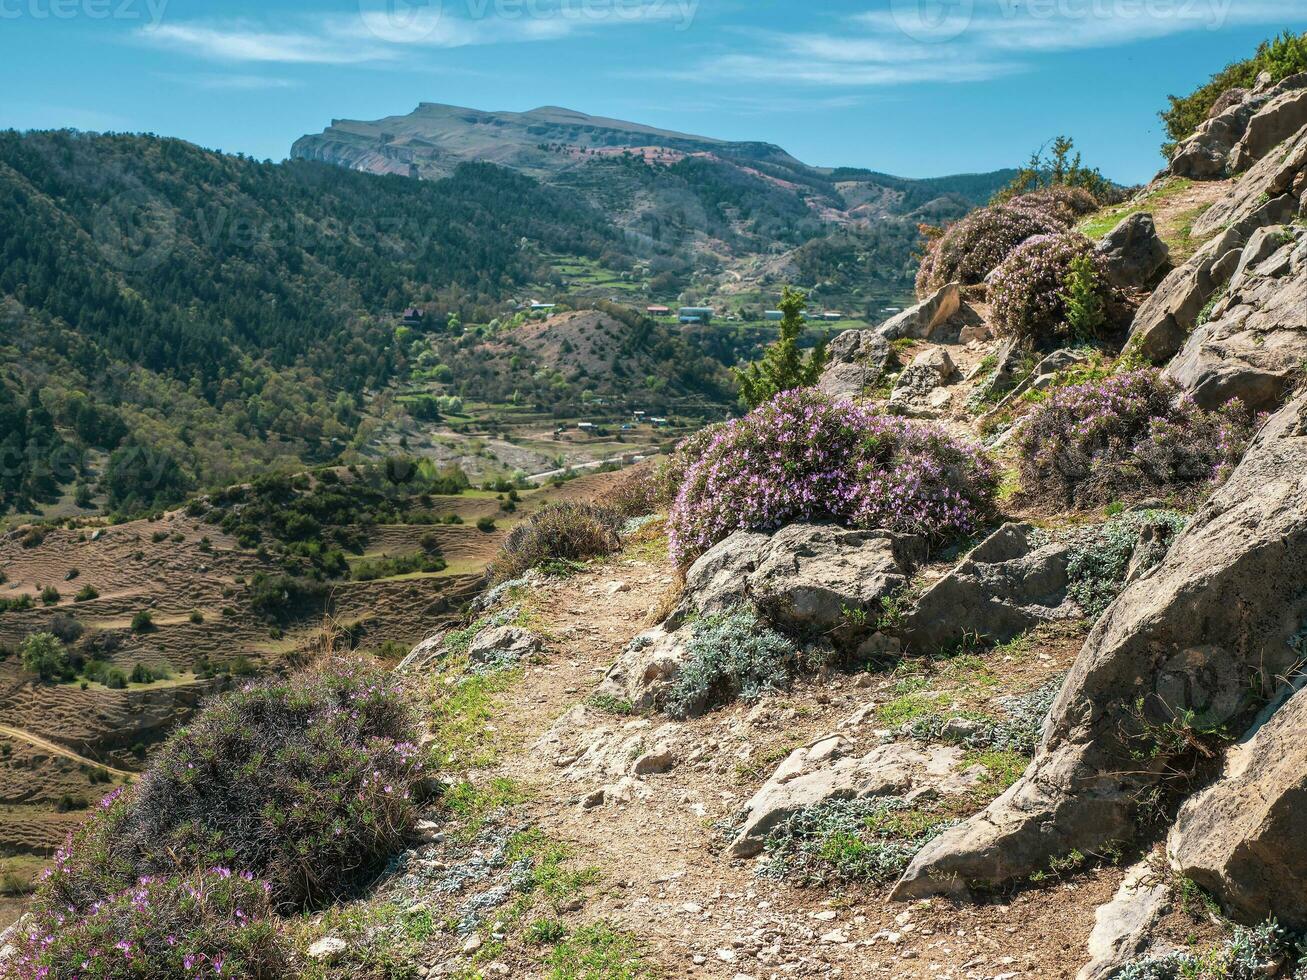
(64, 745)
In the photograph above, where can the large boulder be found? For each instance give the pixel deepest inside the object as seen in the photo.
(919, 389)
(1180, 645)
(1168, 316)
(1254, 346)
(1206, 154)
(1015, 579)
(855, 361)
(1242, 837)
(807, 580)
(1271, 193)
(830, 769)
(921, 321)
(1242, 128)
(1270, 126)
(1133, 253)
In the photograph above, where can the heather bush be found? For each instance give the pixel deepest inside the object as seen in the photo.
(559, 532)
(306, 783)
(1050, 286)
(635, 493)
(671, 471)
(1064, 204)
(1130, 436)
(801, 457)
(971, 249)
(210, 923)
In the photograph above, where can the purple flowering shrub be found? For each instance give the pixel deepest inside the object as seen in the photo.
(307, 783)
(1029, 292)
(801, 457)
(1064, 204)
(971, 249)
(205, 924)
(1130, 436)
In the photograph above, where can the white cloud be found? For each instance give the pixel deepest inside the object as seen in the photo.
(382, 34)
(242, 43)
(914, 41)
(222, 82)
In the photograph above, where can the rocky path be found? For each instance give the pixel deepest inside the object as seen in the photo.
(657, 841)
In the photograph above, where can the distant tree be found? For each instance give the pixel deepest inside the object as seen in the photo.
(45, 656)
(1058, 165)
(783, 366)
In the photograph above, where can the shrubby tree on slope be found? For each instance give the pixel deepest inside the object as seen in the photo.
(783, 366)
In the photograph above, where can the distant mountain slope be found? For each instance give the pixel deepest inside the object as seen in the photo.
(232, 313)
(664, 187)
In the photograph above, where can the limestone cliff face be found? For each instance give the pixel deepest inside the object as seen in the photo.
(434, 139)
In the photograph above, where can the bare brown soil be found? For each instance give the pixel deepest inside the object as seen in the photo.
(665, 878)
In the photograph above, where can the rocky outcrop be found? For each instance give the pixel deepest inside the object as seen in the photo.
(1274, 123)
(1271, 193)
(1242, 837)
(502, 646)
(1133, 253)
(856, 360)
(921, 321)
(1243, 127)
(1206, 154)
(1163, 323)
(1181, 642)
(1254, 345)
(919, 389)
(1012, 581)
(829, 769)
(806, 580)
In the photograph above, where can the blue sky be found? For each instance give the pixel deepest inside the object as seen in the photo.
(913, 87)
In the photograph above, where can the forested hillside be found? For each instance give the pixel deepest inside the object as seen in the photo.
(228, 313)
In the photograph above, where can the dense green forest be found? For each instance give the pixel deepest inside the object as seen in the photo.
(228, 313)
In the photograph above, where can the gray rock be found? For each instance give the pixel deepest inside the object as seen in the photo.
(828, 769)
(1165, 320)
(503, 645)
(921, 321)
(930, 370)
(809, 576)
(1255, 345)
(1221, 608)
(1242, 130)
(1007, 584)
(1268, 194)
(855, 361)
(1123, 928)
(646, 670)
(1043, 374)
(1206, 154)
(327, 948)
(1133, 252)
(1270, 126)
(1242, 837)
(804, 580)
